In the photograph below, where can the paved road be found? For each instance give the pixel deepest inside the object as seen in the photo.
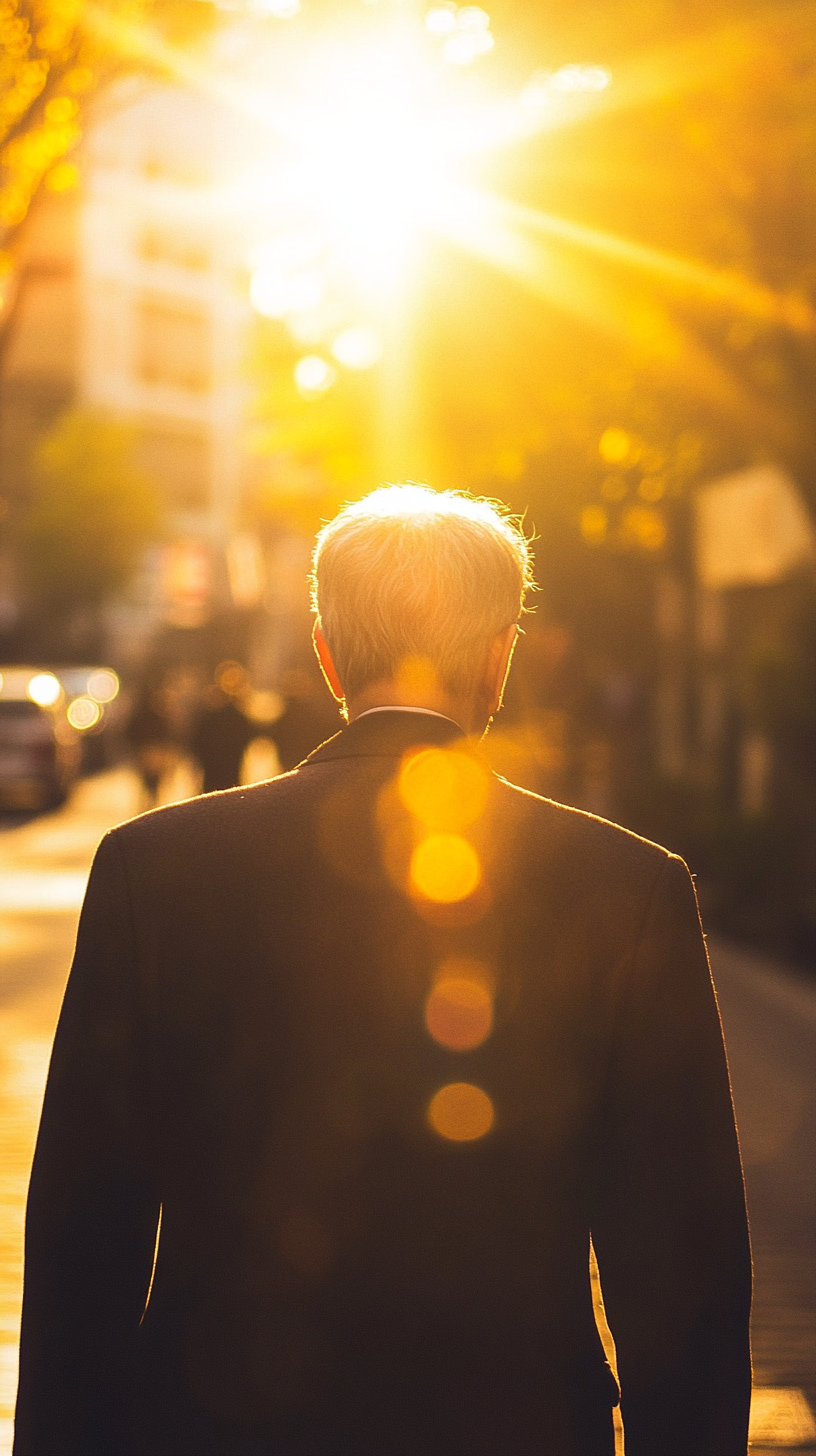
(770, 1021)
(770, 1027)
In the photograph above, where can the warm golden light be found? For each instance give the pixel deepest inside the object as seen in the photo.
(644, 526)
(417, 678)
(461, 1112)
(103, 686)
(83, 713)
(367, 130)
(357, 347)
(313, 375)
(444, 789)
(459, 1013)
(445, 868)
(550, 258)
(594, 522)
(614, 445)
(44, 689)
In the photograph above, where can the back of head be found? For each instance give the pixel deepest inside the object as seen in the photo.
(408, 575)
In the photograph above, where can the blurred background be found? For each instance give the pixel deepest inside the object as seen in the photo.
(258, 256)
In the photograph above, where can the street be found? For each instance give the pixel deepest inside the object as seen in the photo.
(770, 1022)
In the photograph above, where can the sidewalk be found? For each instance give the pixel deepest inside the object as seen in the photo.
(769, 1015)
(43, 871)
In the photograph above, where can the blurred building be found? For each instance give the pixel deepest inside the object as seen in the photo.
(39, 353)
(729, 660)
(131, 300)
(163, 315)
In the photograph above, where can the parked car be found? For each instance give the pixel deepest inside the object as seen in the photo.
(44, 717)
(35, 768)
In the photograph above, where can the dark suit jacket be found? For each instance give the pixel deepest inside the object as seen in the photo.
(242, 1043)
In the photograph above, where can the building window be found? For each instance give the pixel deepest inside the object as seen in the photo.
(165, 245)
(179, 463)
(174, 346)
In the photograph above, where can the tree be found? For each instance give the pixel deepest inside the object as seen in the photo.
(54, 57)
(90, 516)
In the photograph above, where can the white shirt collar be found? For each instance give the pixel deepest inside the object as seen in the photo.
(401, 708)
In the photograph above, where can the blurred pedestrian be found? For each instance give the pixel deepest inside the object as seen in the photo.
(152, 739)
(222, 733)
(367, 1053)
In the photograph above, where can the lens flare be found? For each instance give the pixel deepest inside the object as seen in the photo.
(614, 445)
(44, 689)
(461, 1112)
(280, 9)
(445, 868)
(313, 375)
(103, 686)
(357, 347)
(83, 713)
(276, 296)
(444, 789)
(441, 20)
(459, 1013)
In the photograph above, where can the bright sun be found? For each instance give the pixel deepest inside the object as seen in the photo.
(366, 125)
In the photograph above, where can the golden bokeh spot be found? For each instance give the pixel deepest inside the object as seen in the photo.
(594, 522)
(230, 676)
(445, 868)
(417, 677)
(644, 527)
(459, 1013)
(614, 445)
(61, 109)
(461, 1112)
(63, 178)
(442, 788)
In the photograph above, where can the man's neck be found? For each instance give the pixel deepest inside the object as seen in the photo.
(387, 695)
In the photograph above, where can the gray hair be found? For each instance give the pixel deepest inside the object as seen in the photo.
(409, 573)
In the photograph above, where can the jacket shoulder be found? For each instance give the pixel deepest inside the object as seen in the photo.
(588, 849)
(580, 826)
(206, 817)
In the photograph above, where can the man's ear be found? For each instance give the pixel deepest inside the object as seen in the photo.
(327, 666)
(498, 665)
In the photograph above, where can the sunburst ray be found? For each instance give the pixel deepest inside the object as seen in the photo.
(723, 286)
(484, 225)
(660, 74)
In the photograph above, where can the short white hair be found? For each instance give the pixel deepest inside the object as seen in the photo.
(412, 573)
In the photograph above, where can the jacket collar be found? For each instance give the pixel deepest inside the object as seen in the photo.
(387, 735)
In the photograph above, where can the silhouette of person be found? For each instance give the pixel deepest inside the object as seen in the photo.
(353, 1063)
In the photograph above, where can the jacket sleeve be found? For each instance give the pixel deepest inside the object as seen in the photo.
(670, 1228)
(92, 1206)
